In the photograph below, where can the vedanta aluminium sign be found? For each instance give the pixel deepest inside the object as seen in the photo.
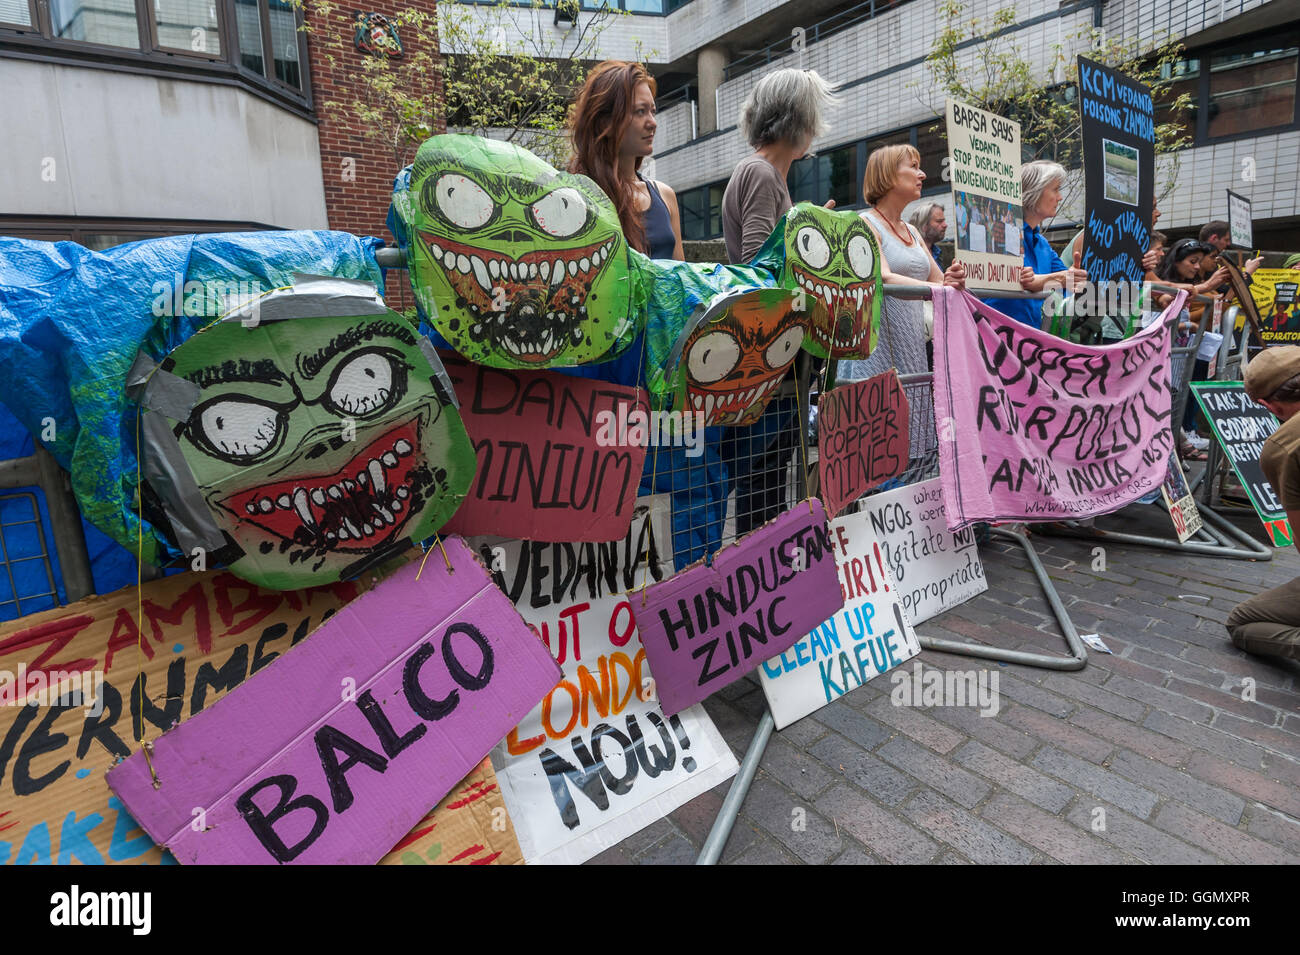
(333, 752)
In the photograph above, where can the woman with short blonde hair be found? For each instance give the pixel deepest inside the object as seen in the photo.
(892, 181)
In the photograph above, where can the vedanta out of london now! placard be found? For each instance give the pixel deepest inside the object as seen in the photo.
(984, 165)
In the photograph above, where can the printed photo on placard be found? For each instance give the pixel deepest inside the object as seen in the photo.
(984, 161)
(597, 760)
(1122, 172)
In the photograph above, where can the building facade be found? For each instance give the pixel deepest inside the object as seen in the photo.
(127, 119)
(1240, 68)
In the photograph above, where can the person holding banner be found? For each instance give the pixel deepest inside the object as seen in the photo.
(893, 180)
(1268, 624)
(1040, 185)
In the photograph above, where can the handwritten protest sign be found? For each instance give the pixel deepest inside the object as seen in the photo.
(552, 461)
(869, 636)
(1241, 427)
(203, 634)
(862, 438)
(935, 568)
(339, 747)
(1036, 428)
(597, 760)
(1118, 124)
(1241, 228)
(1178, 498)
(711, 624)
(1276, 294)
(984, 162)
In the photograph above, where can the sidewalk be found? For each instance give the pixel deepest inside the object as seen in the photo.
(1149, 755)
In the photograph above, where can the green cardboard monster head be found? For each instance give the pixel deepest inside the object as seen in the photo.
(323, 437)
(516, 265)
(833, 257)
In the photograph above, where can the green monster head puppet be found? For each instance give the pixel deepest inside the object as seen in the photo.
(834, 259)
(323, 436)
(732, 359)
(516, 265)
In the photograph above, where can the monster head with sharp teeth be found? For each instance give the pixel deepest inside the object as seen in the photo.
(734, 356)
(833, 258)
(323, 444)
(517, 265)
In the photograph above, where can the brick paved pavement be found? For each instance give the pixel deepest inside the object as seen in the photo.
(1157, 737)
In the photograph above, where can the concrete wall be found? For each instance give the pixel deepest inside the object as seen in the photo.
(141, 147)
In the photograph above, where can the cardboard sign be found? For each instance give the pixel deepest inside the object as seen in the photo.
(1178, 498)
(832, 261)
(730, 360)
(340, 747)
(861, 438)
(1240, 222)
(1118, 126)
(553, 462)
(1241, 427)
(597, 760)
(204, 634)
(320, 435)
(1276, 295)
(868, 636)
(711, 624)
(515, 264)
(935, 568)
(984, 161)
(1035, 428)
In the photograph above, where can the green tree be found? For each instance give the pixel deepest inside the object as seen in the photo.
(505, 70)
(981, 63)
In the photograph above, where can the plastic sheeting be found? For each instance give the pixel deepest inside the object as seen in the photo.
(73, 320)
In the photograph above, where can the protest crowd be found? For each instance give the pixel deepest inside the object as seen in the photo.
(589, 483)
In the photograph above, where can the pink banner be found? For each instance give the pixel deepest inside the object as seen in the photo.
(1035, 428)
(711, 624)
(334, 751)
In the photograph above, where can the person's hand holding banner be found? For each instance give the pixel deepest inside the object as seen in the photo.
(955, 276)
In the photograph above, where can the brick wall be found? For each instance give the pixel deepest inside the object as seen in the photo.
(357, 168)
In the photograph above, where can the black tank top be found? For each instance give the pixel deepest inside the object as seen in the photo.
(658, 224)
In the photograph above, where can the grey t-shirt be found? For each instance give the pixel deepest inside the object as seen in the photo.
(755, 199)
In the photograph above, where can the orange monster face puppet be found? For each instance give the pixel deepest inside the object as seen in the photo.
(734, 356)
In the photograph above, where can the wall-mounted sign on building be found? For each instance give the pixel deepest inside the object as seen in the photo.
(377, 35)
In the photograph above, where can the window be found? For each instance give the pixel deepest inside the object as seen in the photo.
(932, 144)
(1249, 92)
(256, 40)
(107, 22)
(701, 210)
(1186, 77)
(829, 175)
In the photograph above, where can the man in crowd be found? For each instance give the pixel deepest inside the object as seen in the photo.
(930, 222)
(1269, 623)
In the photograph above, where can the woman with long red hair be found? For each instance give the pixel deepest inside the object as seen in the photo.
(612, 127)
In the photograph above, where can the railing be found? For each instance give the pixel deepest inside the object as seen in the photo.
(820, 30)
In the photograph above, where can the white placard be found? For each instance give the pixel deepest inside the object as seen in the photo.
(1240, 225)
(870, 635)
(935, 568)
(596, 760)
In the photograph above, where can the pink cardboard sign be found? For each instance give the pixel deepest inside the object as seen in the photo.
(862, 438)
(711, 624)
(1035, 428)
(333, 752)
(553, 462)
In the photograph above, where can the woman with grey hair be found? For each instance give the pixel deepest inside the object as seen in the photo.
(1040, 187)
(781, 117)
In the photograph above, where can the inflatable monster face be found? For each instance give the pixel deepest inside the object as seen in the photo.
(516, 265)
(321, 444)
(834, 258)
(734, 357)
